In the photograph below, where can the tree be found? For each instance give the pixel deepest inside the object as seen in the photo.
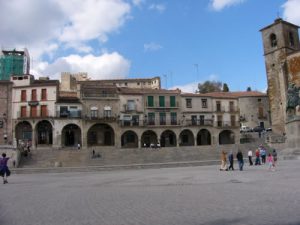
(210, 86)
(225, 88)
(249, 89)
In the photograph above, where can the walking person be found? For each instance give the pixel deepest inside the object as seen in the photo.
(223, 162)
(270, 162)
(257, 157)
(263, 154)
(240, 159)
(274, 154)
(78, 146)
(230, 159)
(4, 171)
(250, 157)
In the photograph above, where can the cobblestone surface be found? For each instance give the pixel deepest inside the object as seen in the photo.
(171, 196)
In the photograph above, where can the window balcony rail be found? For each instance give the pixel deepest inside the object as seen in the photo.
(130, 123)
(69, 114)
(101, 118)
(130, 108)
(34, 114)
(99, 95)
(233, 109)
(227, 124)
(167, 105)
(161, 123)
(190, 122)
(220, 109)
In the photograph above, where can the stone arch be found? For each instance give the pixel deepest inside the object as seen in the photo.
(203, 137)
(23, 132)
(129, 139)
(226, 137)
(101, 134)
(148, 137)
(168, 139)
(70, 135)
(186, 138)
(44, 134)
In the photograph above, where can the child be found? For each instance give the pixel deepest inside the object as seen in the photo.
(270, 161)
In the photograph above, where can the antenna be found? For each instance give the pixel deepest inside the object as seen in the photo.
(197, 71)
(166, 78)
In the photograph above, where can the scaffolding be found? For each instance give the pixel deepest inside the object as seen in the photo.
(13, 62)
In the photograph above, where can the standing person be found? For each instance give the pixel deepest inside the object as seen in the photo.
(274, 154)
(250, 157)
(240, 159)
(263, 155)
(257, 157)
(223, 162)
(4, 171)
(270, 162)
(230, 159)
(78, 146)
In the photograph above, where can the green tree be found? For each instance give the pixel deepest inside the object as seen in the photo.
(210, 86)
(249, 89)
(225, 88)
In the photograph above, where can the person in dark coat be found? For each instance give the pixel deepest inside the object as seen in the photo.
(240, 159)
(4, 171)
(230, 159)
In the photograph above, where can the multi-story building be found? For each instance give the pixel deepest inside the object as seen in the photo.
(14, 62)
(5, 112)
(33, 110)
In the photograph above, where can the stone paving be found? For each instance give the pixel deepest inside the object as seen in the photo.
(169, 196)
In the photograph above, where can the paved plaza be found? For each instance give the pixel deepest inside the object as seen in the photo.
(170, 196)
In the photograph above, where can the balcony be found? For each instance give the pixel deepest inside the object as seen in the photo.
(190, 122)
(160, 123)
(233, 109)
(227, 124)
(167, 105)
(129, 108)
(34, 114)
(101, 118)
(69, 114)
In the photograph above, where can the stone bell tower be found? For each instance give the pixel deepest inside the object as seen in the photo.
(280, 40)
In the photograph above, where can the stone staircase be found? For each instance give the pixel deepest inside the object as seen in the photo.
(63, 160)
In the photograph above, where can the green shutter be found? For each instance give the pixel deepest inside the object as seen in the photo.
(161, 101)
(150, 101)
(172, 101)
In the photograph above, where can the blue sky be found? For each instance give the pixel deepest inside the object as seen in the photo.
(182, 41)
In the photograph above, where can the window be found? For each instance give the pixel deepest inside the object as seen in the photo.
(219, 121)
(231, 106)
(172, 101)
(33, 111)
(161, 101)
(194, 120)
(130, 105)
(151, 118)
(135, 120)
(44, 111)
(204, 103)
(127, 120)
(150, 101)
(44, 94)
(218, 105)
(259, 100)
(162, 118)
(232, 120)
(273, 40)
(291, 38)
(126, 84)
(23, 96)
(23, 111)
(94, 113)
(173, 118)
(260, 112)
(33, 95)
(107, 112)
(63, 112)
(188, 102)
(201, 120)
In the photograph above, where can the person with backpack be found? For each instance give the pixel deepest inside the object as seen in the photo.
(4, 171)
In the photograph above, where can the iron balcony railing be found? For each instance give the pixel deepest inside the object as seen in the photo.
(34, 114)
(69, 114)
(197, 122)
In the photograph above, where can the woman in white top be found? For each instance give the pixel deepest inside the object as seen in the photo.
(250, 157)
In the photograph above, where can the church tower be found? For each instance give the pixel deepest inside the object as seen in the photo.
(280, 39)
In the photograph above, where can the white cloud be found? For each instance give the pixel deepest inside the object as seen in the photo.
(158, 7)
(218, 5)
(138, 2)
(187, 88)
(106, 66)
(291, 11)
(151, 47)
(37, 24)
